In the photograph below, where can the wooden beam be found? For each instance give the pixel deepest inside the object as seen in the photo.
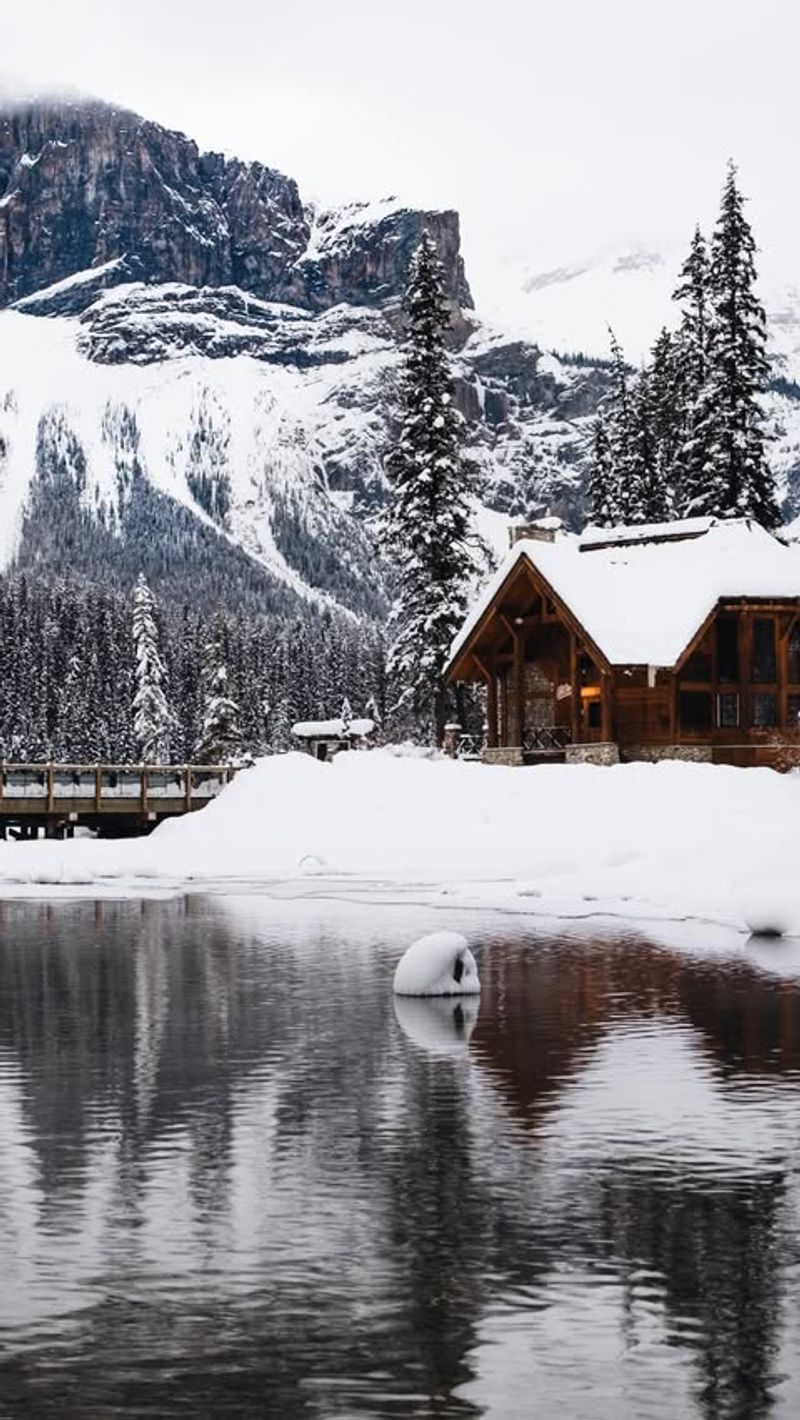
(575, 683)
(783, 682)
(519, 683)
(745, 650)
(491, 710)
(605, 709)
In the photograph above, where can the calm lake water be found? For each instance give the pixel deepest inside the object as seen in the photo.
(236, 1181)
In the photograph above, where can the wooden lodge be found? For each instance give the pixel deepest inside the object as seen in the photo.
(676, 641)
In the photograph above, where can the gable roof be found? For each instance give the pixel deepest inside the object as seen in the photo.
(641, 593)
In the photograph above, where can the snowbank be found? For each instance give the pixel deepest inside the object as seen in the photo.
(665, 841)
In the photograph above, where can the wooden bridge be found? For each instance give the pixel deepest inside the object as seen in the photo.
(114, 800)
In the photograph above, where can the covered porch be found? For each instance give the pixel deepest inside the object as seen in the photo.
(548, 687)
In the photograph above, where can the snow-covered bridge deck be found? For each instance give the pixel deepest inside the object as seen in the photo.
(113, 799)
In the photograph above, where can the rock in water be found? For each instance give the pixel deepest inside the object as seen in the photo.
(439, 964)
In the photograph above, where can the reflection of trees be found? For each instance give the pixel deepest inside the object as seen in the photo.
(718, 1252)
(345, 1206)
(187, 1042)
(440, 1219)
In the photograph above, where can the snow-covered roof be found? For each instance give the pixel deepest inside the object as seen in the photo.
(642, 601)
(332, 729)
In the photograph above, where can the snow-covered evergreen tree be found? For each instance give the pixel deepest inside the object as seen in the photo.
(220, 740)
(737, 478)
(645, 500)
(346, 716)
(694, 493)
(427, 534)
(153, 720)
(665, 381)
(603, 489)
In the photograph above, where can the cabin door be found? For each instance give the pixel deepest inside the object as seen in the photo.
(591, 716)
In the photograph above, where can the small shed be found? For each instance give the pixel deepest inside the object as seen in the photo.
(325, 738)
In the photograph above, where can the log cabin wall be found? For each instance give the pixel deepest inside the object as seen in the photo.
(737, 691)
(733, 696)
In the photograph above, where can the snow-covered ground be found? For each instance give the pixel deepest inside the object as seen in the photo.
(662, 842)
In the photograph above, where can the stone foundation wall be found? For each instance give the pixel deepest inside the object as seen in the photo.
(653, 754)
(605, 753)
(510, 754)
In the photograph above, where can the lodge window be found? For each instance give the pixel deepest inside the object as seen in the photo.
(595, 715)
(727, 649)
(765, 661)
(793, 712)
(695, 711)
(765, 710)
(728, 710)
(794, 655)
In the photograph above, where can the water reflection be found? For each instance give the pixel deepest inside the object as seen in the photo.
(237, 1178)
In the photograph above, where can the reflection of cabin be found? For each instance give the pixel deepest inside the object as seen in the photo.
(676, 641)
(325, 738)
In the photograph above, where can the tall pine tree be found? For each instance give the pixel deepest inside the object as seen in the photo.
(737, 477)
(603, 486)
(428, 523)
(220, 739)
(152, 718)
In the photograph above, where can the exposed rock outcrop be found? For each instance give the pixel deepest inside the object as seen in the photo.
(86, 185)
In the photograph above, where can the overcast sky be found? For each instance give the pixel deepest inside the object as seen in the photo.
(554, 128)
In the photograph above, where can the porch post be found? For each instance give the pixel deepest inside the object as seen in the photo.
(783, 678)
(491, 707)
(575, 699)
(519, 681)
(606, 706)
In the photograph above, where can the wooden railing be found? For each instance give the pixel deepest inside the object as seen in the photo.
(545, 739)
(81, 790)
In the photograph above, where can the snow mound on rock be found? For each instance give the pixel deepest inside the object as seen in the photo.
(439, 964)
(771, 913)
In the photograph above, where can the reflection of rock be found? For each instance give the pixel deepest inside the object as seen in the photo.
(439, 964)
(439, 1025)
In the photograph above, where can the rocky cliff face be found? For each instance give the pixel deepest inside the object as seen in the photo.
(218, 365)
(90, 186)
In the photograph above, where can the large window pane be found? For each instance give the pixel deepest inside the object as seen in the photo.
(765, 665)
(765, 710)
(728, 648)
(694, 708)
(794, 655)
(728, 710)
(794, 712)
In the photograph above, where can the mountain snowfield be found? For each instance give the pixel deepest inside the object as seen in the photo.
(570, 302)
(196, 364)
(285, 409)
(262, 427)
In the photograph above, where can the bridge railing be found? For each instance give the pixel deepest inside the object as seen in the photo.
(109, 788)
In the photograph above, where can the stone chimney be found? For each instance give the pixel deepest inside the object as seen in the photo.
(544, 529)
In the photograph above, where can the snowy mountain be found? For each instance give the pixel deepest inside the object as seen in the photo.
(197, 369)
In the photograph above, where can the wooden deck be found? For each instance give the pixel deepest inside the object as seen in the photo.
(114, 800)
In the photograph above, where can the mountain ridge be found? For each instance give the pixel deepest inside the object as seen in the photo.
(195, 350)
